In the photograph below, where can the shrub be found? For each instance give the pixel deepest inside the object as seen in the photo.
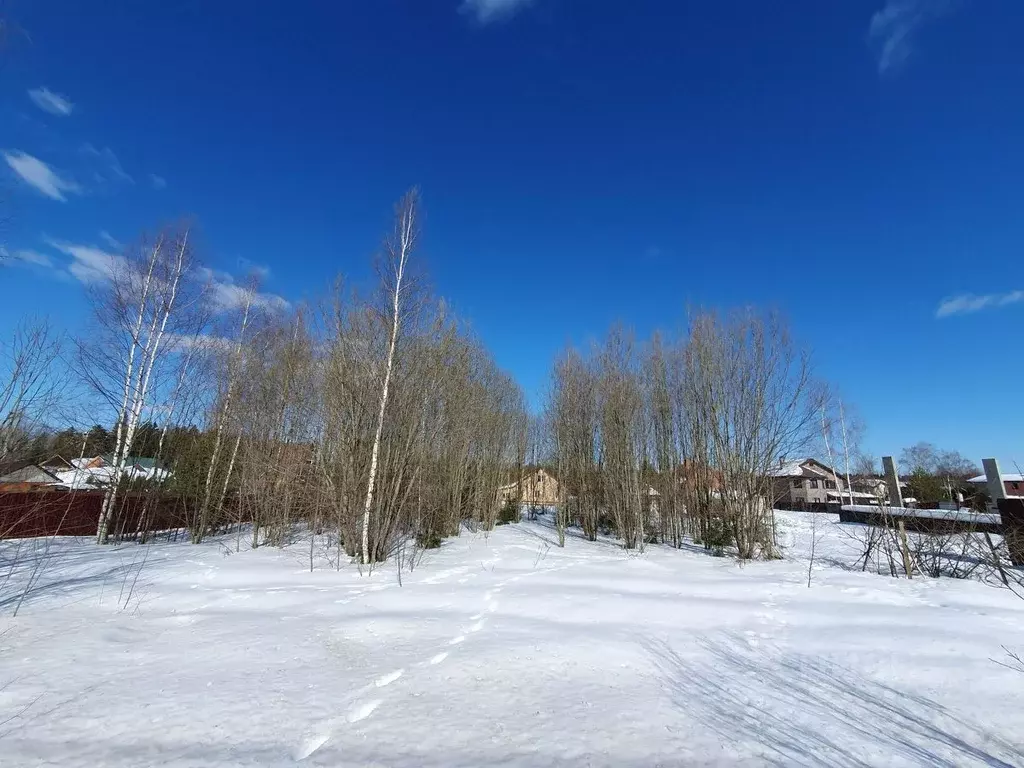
(717, 537)
(508, 514)
(428, 540)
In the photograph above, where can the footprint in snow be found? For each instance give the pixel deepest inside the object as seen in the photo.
(313, 743)
(388, 679)
(362, 711)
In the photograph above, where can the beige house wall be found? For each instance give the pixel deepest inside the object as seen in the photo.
(540, 489)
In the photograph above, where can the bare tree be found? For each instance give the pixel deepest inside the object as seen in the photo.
(232, 373)
(136, 308)
(398, 247)
(758, 402)
(31, 384)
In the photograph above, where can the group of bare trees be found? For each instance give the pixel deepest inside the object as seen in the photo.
(376, 419)
(677, 436)
(31, 385)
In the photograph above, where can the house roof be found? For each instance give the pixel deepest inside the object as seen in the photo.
(22, 472)
(57, 461)
(142, 462)
(808, 467)
(1011, 477)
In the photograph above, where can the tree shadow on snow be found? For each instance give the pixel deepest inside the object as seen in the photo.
(806, 711)
(65, 586)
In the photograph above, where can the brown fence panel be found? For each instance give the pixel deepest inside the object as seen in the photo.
(67, 513)
(77, 513)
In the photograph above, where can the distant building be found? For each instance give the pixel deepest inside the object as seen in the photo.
(540, 488)
(693, 474)
(89, 472)
(24, 476)
(1013, 483)
(806, 484)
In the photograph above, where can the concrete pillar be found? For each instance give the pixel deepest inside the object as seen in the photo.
(996, 489)
(892, 481)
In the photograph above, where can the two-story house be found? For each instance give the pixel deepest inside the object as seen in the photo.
(805, 484)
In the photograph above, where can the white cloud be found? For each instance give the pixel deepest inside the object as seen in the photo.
(487, 11)
(225, 294)
(893, 29)
(968, 303)
(51, 102)
(157, 182)
(39, 175)
(88, 263)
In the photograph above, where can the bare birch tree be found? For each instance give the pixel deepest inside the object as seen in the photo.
(398, 247)
(137, 306)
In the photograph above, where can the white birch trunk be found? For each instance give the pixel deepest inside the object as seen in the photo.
(126, 432)
(129, 377)
(406, 226)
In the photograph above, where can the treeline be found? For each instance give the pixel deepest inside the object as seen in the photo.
(374, 419)
(675, 437)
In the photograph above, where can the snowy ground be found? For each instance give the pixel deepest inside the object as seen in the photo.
(504, 650)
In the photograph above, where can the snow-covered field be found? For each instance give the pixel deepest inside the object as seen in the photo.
(503, 650)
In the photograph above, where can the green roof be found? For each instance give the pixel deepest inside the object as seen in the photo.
(145, 462)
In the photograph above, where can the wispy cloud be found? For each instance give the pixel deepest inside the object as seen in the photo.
(894, 29)
(487, 11)
(260, 271)
(51, 102)
(157, 182)
(89, 264)
(968, 303)
(110, 240)
(32, 257)
(39, 175)
(225, 294)
(201, 343)
(107, 168)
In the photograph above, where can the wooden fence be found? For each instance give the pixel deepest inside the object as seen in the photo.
(77, 513)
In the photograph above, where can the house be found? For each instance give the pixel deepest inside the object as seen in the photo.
(99, 471)
(57, 463)
(540, 488)
(1013, 483)
(876, 486)
(806, 484)
(25, 476)
(692, 474)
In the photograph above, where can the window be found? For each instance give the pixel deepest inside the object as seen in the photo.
(814, 484)
(798, 483)
(830, 485)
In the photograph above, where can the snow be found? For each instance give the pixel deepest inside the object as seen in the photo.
(100, 477)
(792, 469)
(961, 515)
(851, 494)
(1011, 477)
(505, 650)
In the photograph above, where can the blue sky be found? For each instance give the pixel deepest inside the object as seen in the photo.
(856, 164)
